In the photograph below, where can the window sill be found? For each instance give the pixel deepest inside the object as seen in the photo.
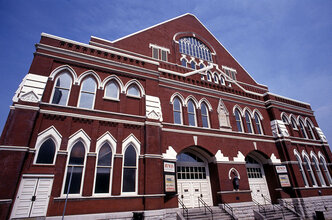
(135, 97)
(111, 99)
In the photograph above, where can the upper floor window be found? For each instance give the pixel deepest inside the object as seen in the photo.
(133, 91)
(193, 65)
(103, 169)
(46, 152)
(222, 80)
(238, 120)
(205, 115)
(61, 89)
(302, 128)
(248, 122)
(216, 78)
(112, 90)
(258, 124)
(325, 169)
(159, 52)
(209, 76)
(308, 167)
(177, 111)
(294, 126)
(184, 62)
(88, 93)
(194, 47)
(191, 113)
(301, 169)
(318, 172)
(284, 119)
(311, 130)
(129, 170)
(230, 72)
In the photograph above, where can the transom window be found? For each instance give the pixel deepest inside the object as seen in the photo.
(191, 172)
(103, 173)
(191, 113)
(46, 152)
(61, 89)
(112, 90)
(88, 92)
(188, 157)
(194, 47)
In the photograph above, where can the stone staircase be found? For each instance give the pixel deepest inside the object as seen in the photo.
(268, 212)
(199, 214)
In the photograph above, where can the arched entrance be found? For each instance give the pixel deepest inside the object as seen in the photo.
(193, 178)
(256, 177)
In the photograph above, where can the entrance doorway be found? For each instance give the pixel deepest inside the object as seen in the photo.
(32, 197)
(193, 179)
(257, 180)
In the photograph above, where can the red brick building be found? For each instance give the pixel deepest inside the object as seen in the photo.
(161, 115)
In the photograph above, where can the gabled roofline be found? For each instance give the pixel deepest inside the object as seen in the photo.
(280, 96)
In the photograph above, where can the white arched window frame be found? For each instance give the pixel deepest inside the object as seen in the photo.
(258, 123)
(238, 119)
(222, 80)
(302, 128)
(310, 128)
(61, 89)
(293, 122)
(50, 133)
(108, 139)
(247, 117)
(209, 76)
(191, 110)
(193, 65)
(307, 164)
(134, 89)
(325, 168)
(284, 118)
(216, 78)
(130, 141)
(177, 111)
(317, 169)
(87, 93)
(205, 115)
(299, 160)
(112, 90)
(184, 62)
(79, 136)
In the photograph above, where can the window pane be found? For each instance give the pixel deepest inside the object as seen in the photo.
(176, 104)
(155, 52)
(86, 100)
(248, 122)
(103, 180)
(112, 90)
(129, 176)
(130, 157)
(64, 81)
(105, 156)
(184, 63)
(192, 120)
(89, 85)
(46, 152)
(238, 120)
(133, 90)
(77, 154)
(191, 107)
(192, 65)
(163, 55)
(75, 185)
(177, 117)
(258, 124)
(60, 96)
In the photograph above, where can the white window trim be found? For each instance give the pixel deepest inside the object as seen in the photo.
(130, 140)
(139, 86)
(54, 85)
(237, 107)
(328, 175)
(105, 138)
(194, 113)
(52, 133)
(94, 93)
(118, 83)
(250, 121)
(305, 155)
(302, 171)
(316, 161)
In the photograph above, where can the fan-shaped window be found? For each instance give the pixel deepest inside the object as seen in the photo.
(194, 47)
(112, 90)
(129, 170)
(46, 152)
(301, 170)
(238, 120)
(193, 65)
(318, 172)
(311, 130)
(309, 170)
(133, 91)
(248, 122)
(188, 157)
(258, 124)
(205, 115)
(191, 113)
(103, 169)
(302, 128)
(88, 92)
(326, 170)
(75, 169)
(61, 89)
(177, 111)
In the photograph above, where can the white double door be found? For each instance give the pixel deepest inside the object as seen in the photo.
(190, 190)
(32, 198)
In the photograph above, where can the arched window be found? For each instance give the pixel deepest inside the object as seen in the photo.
(216, 78)
(238, 120)
(222, 80)
(311, 130)
(112, 90)
(309, 170)
(301, 169)
(284, 119)
(129, 170)
(318, 172)
(75, 168)
(325, 170)
(258, 124)
(61, 89)
(248, 122)
(103, 169)
(294, 126)
(194, 47)
(133, 91)
(193, 65)
(46, 152)
(177, 111)
(205, 115)
(184, 62)
(302, 128)
(201, 66)
(191, 113)
(209, 76)
(88, 93)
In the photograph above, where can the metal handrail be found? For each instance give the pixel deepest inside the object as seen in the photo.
(283, 202)
(184, 209)
(261, 208)
(230, 208)
(274, 206)
(206, 206)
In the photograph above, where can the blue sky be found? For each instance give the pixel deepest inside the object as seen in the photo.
(283, 44)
